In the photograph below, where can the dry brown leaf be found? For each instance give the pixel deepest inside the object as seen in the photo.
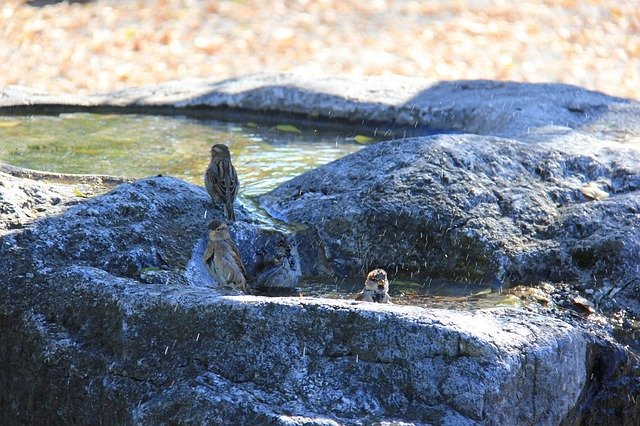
(592, 192)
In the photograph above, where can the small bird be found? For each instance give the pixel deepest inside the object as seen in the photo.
(277, 266)
(221, 179)
(222, 257)
(376, 288)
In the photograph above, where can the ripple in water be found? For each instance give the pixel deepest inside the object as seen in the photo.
(143, 145)
(431, 293)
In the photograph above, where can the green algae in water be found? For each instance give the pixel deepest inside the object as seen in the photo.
(143, 145)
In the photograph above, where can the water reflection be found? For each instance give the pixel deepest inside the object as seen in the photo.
(142, 145)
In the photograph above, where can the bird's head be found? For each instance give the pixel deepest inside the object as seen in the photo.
(377, 281)
(220, 151)
(218, 230)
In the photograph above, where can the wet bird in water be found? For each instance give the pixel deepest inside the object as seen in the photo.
(376, 288)
(277, 266)
(221, 179)
(222, 258)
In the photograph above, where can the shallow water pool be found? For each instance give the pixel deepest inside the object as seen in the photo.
(264, 155)
(442, 294)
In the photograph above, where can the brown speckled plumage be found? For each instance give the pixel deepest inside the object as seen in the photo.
(222, 258)
(376, 288)
(221, 179)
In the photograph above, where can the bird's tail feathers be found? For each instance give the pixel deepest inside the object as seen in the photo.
(228, 210)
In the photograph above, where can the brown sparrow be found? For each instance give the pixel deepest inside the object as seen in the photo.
(376, 288)
(277, 266)
(221, 179)
(222, 258)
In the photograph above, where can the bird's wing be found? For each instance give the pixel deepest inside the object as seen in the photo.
(224, 179)
(213, 180)
(230, 191)
(208, 253)
(232, 182)
(236, 256)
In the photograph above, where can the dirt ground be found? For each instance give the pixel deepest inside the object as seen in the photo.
(103, 45)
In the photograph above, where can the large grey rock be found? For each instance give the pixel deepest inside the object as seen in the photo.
(149, 230)
(86, 335)
(473, 207)
(108, 316)
(119, 351)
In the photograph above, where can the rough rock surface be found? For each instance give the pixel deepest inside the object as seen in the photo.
(103, 299)
(151, 347)
(41, 194)
(153, 354)
(79, 315)
(144, 230)
(473, 207)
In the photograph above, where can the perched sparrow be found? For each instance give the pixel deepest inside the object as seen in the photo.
(277, 266)
(222, 258)
(221, 179)
(376, 287)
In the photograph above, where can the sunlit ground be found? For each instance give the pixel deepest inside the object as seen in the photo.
(104, 45)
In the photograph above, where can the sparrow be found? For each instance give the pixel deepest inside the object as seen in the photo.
(277, 266)
(221, 179)
(376, 288)
(222, 258)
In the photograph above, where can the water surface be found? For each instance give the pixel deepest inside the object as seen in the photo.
(442, 294)
(144, 145)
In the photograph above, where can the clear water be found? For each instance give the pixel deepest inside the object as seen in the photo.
(143, 145)
(264, 156)
(430, 293)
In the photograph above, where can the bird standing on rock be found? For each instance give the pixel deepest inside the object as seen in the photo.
(376, 288)
(221, 179)
(222, 257)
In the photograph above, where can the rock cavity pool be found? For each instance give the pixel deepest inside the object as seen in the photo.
(144, 145)
(428, 293)
(265, 155)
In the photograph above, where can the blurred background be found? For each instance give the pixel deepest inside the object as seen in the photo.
(103, 45)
